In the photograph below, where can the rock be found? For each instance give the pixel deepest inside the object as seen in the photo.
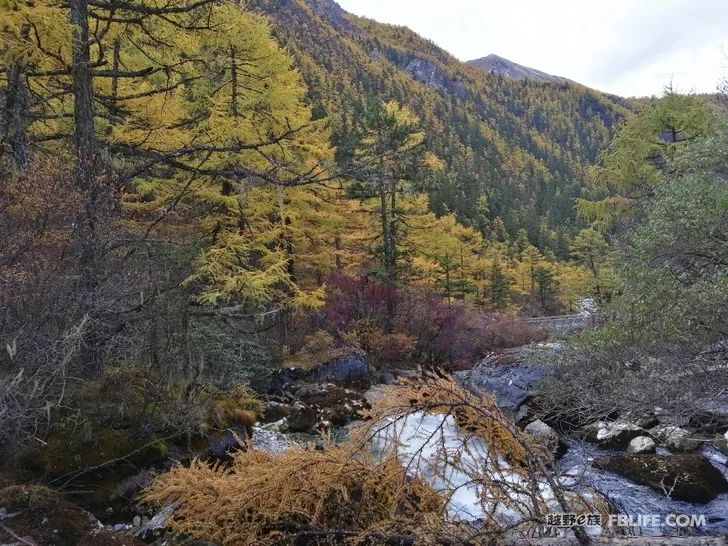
(128, 488)
(688, 477)
(510, 381)
(711, 417)
(275, 411)
(377, 392)
(614, 434)
(104, 537)
(721, 443)
(303, 418)
(675, 438)
(157, 524)
(646, 421)
(42, 516)
(385, 378)
(277, 426)
(546, 437)
(333, 403)
(589, 432)
(522, 414)
(271, 441)
(351, 368)
(641, 444)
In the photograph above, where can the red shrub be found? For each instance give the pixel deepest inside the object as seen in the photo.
(511, 332)
(352, 298)
(427, 329)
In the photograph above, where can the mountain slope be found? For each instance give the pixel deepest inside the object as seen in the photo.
(522, 145)
(494, 64)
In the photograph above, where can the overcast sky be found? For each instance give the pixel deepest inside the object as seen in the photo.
(627, 47)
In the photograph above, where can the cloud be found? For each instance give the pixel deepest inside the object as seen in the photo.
(628, 47)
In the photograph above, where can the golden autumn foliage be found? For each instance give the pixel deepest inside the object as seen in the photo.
(364, 490)
(478, 415)
(262, 498)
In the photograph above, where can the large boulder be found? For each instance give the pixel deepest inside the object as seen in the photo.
(675, 438)
(612, 434)
(641, 444)
(510, 380)
(349, 368)
(41, 516)
(688, 477)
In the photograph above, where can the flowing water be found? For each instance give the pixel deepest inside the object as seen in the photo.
(634, 500)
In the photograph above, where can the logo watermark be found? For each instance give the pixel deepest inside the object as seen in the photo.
(566, 520)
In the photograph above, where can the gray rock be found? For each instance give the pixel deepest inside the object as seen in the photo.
(614, 434)
(710, 417)
(271, 441)
(275, 411)
(688, 477)
(511, 382)
(349, 368)
(641, 444)
(374, 394)
(523, 414)
(721, 443)
(386, 378)
(645, 421)
(303, 418)
(277, 426)
(545, 436)
(589, 432)
(675, 438)
(156, 525)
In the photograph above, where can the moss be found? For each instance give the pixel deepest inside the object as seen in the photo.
(43, 515)
(124, 421)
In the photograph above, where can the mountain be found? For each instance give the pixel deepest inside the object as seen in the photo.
(516, 150)
(508, 69)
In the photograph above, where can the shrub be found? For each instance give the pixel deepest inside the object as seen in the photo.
(228, 355)
(502, 333)
(318, 347)
(427, 328)
(353, 298)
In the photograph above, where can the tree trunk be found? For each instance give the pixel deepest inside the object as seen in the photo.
(84, 136)
(114, 107)
(388, 255)
(233, 84)
(15, 123)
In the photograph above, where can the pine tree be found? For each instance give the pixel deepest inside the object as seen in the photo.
(385, 158)
(633, 165)
(499, 288)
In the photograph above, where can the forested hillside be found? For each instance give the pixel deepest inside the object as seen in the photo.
(274, 274)
(523, 145)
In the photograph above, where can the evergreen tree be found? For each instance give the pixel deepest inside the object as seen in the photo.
(499, 288)
(386, 157)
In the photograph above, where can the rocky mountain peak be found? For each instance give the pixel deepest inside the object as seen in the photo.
(508, 69)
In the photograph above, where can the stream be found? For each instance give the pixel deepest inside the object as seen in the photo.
(634, 499)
